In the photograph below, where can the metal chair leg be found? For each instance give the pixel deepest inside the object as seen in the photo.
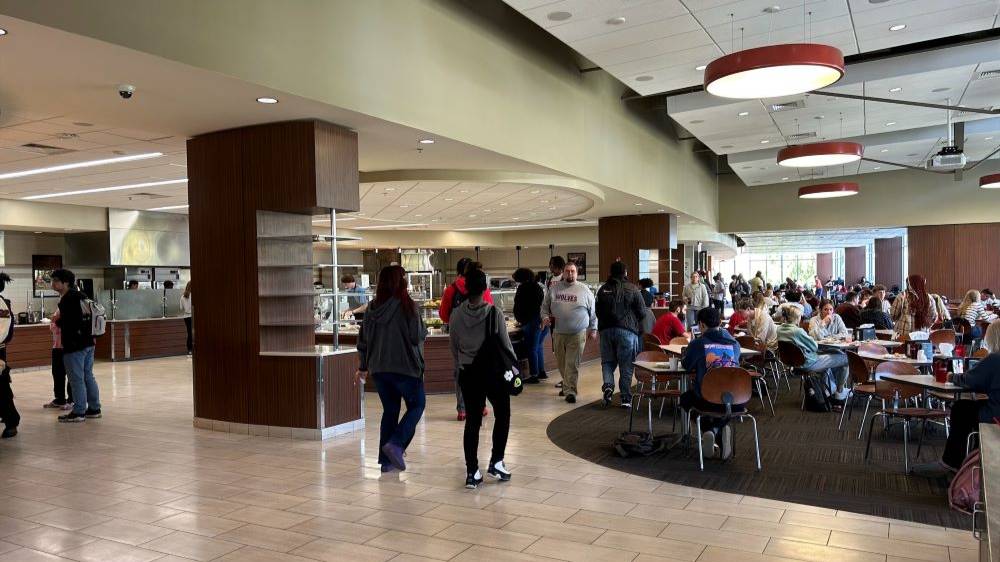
(871, 426)
(663, 402)
(760, 393)
(920, 442)
(843, 411)
(861, 430)
(701, 453)
(756, 440)
(906, 446)
(649, 415)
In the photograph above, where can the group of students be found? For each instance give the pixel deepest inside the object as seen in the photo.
(74, 385)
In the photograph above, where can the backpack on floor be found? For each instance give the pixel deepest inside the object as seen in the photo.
(638, 444)
(963, 493)
(817, 394)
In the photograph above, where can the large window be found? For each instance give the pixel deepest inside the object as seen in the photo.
(774, 266)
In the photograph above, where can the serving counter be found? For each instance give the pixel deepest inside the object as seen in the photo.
(439, 374)
(126, 340)
(31, 347)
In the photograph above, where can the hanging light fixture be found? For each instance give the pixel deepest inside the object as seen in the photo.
(820, 154)
(828, 190)
(774, 70)
(991, 181)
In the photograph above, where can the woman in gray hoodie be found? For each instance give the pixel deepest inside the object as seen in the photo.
(391, 347)
(468, 327)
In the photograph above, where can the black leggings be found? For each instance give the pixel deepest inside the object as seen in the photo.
(964, 420)
(477, 389)
(8, 412)
(62, 391)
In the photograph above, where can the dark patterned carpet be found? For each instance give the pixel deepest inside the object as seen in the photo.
(805, 460)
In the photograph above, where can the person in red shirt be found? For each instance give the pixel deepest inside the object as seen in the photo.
(669, 325)
(739, 318)
(454, 295)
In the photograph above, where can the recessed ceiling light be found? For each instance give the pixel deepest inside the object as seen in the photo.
(463, 190)
(472, 216)
(616, 21)
(403, 206)
(552, 208)
(103, 189)
(3, 32)
(743, 114)
(418, 215)
(426, 141)
(37, 231)
(898, 27)
(435, 220)
(503, 204)
(449, 198)
(988, 138)
(266, 100)
(75, 165)
(890, 123)
(784, 179)
(545, 200)
(559, 16)
(896, 89)
(488, 210)
(536, 191)
(515, 218)
(168, 208)
(884, 150)
(877, 168)
(764, 141)
(643, 78)
(701, 67)
(661, 210)
(638, 204)
(390, 189)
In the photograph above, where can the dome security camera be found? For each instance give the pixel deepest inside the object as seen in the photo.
(126, 91)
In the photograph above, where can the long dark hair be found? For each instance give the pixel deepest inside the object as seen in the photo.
(919, 300)
(392, 284)
(4, 279)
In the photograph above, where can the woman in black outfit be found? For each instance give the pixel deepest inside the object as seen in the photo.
(872, 313)
(8, 412)
(528, 313)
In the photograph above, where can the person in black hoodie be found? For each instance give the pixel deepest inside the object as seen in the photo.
(620, 312)
(78, 348)
(8, 412)
(391, 347)
(528, 313)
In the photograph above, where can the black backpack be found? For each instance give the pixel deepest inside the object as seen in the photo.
(638, 444)
(817, 394)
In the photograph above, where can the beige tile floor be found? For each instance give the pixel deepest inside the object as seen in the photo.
(143, 484)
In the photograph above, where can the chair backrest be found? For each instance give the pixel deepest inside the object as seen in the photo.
(679, 340)
(652, 338)
(790, 354)
(722, 383)
(650, 342)
(804, 324)
(860, 374)
(938, 337)
(981, 353)
(888, 389)
(651, 356)
(873, 348)
(962, 325)
(748, 342)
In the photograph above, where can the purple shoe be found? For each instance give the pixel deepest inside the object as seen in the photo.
(395, 455)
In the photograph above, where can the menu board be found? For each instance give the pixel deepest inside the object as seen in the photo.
(42, 267)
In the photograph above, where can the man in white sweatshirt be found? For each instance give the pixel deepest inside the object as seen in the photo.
(569, 308)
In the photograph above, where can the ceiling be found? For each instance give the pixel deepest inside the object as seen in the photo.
(71, 104)
(814, 240)
(664, 41)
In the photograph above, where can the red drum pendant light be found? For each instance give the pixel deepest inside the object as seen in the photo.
(774, 71)
(991, 181)
(828, 190)
(820, 154)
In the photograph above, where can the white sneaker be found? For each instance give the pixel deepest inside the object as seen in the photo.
(708, 446)
(499, 471)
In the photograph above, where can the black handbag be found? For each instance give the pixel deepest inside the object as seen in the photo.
(494, 359)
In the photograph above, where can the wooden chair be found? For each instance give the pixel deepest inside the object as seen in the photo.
(861, 387)
(963, 328)
(650, 342)
(650, 387)
(939, 337)
(758, 368)
(792, 357)
(894, 396)
(679, 340)
(729, 387)
(981, 353)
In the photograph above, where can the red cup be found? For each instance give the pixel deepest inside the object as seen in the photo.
(960, 350)
(941, 372)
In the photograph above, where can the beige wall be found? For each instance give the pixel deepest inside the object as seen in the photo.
(386, 238)
(32, 215)
(887, 199)
(491, 80)
(20, 246)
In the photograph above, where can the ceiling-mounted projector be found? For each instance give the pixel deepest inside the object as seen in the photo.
(949, 158)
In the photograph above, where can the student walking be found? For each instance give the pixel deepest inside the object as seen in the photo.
(569, 309)
(391, 348)
(472, 323)
(620, 311)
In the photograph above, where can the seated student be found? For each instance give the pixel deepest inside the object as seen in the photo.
(874, 313)
(973, 310)
(966, 415)
(827, 324)
(740, 315)
(833, 362)
(865, 295)
(850, 312)
(809, 304)
(792, 298)
(989, 299)
(670, 325)
(715, 347)
(760, 325)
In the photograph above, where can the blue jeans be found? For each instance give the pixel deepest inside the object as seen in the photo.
(80, 369)
(618, 349)
(533, 334)
(391, 389)
(835, 363)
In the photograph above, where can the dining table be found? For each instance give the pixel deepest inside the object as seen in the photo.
(678, 350)
(926, 383)
(841, 344)
(663, 369)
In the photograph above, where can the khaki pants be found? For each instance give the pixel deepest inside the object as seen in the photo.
(569, 351)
